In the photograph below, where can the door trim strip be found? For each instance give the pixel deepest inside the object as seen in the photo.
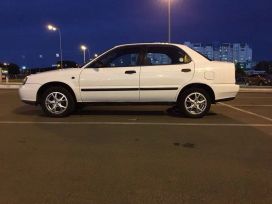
(131, 89)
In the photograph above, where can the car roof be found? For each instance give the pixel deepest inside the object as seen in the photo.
(192, 53)
(146, 44)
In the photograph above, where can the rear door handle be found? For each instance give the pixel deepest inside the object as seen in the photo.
(186, 70)
(130, 72)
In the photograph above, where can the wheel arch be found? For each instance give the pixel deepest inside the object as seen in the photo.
(198, 85)
(44, 87)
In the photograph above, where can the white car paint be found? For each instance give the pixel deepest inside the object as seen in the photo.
(158, 77)
(110, 78)
(219, 76)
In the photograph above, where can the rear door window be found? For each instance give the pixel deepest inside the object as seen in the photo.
(165, 55)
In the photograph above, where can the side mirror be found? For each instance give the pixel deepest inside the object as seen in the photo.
(98, 64)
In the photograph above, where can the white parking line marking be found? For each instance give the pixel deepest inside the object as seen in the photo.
(242, 105)
(253, 105)
(134, 123)
(248, 112)
(253, 97)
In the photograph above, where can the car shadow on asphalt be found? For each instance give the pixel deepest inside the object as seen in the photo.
(28, 111)
(170, 111)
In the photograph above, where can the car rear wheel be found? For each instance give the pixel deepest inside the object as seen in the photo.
(57, 102)
(195, 103)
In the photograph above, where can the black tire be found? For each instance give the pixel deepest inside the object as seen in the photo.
(182, 106)
(69, 102)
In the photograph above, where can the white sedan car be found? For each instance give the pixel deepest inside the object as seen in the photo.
(150, 73)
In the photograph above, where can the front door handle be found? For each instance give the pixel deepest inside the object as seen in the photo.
(130, 72)
(186, 70)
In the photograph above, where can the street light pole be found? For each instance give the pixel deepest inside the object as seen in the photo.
(0, 74)
(53, 28)
(84, 49)
(89, 54)
(84, 56)
(61, 57)
(169, 21)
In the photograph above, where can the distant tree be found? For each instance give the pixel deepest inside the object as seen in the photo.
(13, 69)
(67, 64)
(264, 66)
(239, 70)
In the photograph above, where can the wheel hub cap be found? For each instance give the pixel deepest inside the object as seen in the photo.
(56, 103)
(195, 103)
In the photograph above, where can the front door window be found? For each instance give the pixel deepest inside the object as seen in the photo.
(120, 57)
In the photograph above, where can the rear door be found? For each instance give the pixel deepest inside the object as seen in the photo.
(165, 69)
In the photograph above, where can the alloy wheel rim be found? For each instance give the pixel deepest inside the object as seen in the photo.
(195, 103)
(56, 103)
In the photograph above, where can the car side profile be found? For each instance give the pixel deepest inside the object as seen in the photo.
(148, 73)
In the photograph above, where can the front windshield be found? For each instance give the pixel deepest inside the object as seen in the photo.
(90, 60)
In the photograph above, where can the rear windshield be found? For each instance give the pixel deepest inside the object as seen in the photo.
(203, 55)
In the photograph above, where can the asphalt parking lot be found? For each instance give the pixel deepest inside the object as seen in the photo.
(128, 154)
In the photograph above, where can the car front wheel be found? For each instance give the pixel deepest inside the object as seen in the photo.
(57, 102)
(195, 103)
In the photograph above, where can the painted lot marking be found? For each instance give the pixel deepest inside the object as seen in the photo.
(252, 105)
(247, 112)
(248, 105)
(253, 97)
(133, 123)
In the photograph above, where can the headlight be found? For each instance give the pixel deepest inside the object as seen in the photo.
(25, 80)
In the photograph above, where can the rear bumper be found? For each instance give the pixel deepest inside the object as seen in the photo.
(225, 92)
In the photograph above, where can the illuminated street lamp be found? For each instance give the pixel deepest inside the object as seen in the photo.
(6, 64)
(54, 29)
(84, 48)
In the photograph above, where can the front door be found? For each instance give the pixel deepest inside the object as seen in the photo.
(113, 77)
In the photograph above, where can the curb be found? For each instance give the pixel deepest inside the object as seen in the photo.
(10, 86)
(255, 90)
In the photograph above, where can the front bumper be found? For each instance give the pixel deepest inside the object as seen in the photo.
(33, 103)
(224, 100)
(28, 93)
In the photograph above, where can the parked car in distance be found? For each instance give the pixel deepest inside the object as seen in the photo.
(241, 80)
(258, 80)
(148, 73)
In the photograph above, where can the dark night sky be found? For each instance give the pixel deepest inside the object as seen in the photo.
(101, 24)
